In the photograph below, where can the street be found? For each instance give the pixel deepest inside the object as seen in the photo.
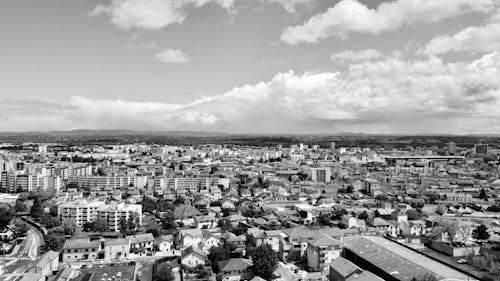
(14, 266)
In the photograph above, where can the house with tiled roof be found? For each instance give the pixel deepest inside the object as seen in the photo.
(191, 236)
(185, 214)
(193, 256)
(235, 269)
(80, 249)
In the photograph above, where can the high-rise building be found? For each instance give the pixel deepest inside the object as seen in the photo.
(452, 148)
(481, 148)
(332, 145)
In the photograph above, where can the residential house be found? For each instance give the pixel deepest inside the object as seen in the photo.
(117, 248)
(192, 256)
(185, 214)
(235, 270)
(80, 249)
(141, 244)
(190, 237)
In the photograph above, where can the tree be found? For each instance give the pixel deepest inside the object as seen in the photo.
(483, 195)
(5, 216)
(481, 233)
(451, 228)
(265, 261)
(324, 219)
(413, 214)
(132, 222)
(218, 253)
(163, 272)
(425, 277)
(49, 221)
(55, 239)
(363, 215)
(21, 228)
(89, 226)
(168, 221)
(37, 209)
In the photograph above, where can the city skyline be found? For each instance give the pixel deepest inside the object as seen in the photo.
(238, 66)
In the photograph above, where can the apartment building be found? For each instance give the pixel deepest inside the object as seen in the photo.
(82, 211)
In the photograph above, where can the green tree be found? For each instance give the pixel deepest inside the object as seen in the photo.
(363, 216)
(413, 214)
(483, 195)
(219, 253)
(265, 261)
(132, 222)
(481, 233)
(425, 277)
(37, 209)
(49, 221)
(21, 228)
(5, 216)
(20, 207)
(167, 221)
(163, 272)
(55, 239)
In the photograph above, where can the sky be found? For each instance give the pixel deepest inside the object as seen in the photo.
(251, 66)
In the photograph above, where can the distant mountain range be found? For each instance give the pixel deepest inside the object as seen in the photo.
(123, 132)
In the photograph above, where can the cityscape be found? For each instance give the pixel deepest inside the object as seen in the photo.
(250, 140)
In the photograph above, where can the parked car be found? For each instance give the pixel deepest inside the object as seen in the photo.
(461, 261)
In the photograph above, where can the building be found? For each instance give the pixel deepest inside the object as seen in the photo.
(452, 148)
(192, 256)
(83, 211)
(112, 215)
(322, 251)
(321, 174)
(393, 262)
(80, 249)
(235, 270)
(481, 148)
(117, 248)
(341, 269)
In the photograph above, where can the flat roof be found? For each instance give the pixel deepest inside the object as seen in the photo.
(398, 261)
(424, 157)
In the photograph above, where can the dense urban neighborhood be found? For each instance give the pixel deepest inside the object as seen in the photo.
(231, 212)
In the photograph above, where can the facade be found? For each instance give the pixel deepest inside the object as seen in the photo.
(322, 251)
(235, 269)
(80, 249)
(83, 211)
(321, 174)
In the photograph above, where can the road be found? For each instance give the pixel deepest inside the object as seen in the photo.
(25, 258)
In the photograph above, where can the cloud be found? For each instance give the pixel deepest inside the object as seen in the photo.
(356, 56)
(350, 16)
(151, 14)
(173, 56)
(485, 38)
(385, 95)
(291, 5)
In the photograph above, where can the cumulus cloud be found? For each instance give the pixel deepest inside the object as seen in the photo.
(351, 16)
(356, 56)
(484, 38)
(173, 56)
(390, 95)
(151, 14)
